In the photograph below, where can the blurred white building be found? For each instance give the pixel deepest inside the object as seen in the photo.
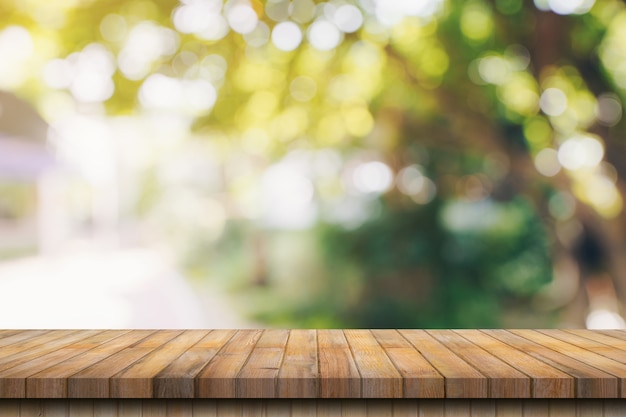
(27, 165)
(44, 201)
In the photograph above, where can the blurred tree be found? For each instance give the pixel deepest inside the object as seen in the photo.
(499, 120)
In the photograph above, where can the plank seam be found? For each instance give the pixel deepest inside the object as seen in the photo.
(196, 388)
(530, 379)
(620, 379)
(487, 377)
(154, 385)
(343, 332)
(445, 385)
(73, 357)
(97, 362)
(543, 359)
(237, 388)
(139, 359)
(396, 366)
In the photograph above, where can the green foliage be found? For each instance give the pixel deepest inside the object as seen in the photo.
(418, 271)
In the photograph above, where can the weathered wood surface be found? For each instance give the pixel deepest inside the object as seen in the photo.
(314, 364)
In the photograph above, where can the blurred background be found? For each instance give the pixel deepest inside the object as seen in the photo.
(341, 163)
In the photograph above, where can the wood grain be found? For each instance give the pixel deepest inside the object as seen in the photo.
(19, 338)
(420, 378)
(590, 382)
(461, 379)
(19, 353)
(93, 382)
(298, 375)
(13, 379)
(136, 380)
(600, 362)
(217, 378)
(258, 377)
(339, 375)
(379, 377)
(52, 382)
(177, 380)
(547, 381)
(314, 364)
(504, 380)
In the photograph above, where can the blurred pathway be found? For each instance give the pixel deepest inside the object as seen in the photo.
(132, 289)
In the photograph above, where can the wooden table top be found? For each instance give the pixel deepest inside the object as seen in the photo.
(312, 364)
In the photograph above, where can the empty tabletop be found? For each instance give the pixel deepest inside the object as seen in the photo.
(276, 363)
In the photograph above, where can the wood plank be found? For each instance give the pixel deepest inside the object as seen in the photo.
(52, 382)
(179, 408)
(431, 408)
(13, 379)
(298, 374)
(353, 408)
(217, 379)
(590, 408)
(204, 408)
(105, 408)
(253, 408)
(379, 377)
(278, 408)
(231, 408)
(154, 408)
(9, 407)
(509, 408)
(317, 364)
(9, 332)
(19, 338)
(93, 382)
(177, 380)
(536, 408)
(83, 408)
(560, 408)
(304, 408)
(483, 408)
(56, 408)
(600, 337)
(461, 379)
(603, 363)
(618, 334)
(457, 408)
(19, 353)
(326, 407)
(32, 408)
(504, 380)
(590, 382)
(339, 376)
(614, 408)
(405, 408)
(379, 408)
(128, 408)
(258, 377)
(613, 351)
(136, 380)
(419, 378)
(547, 381)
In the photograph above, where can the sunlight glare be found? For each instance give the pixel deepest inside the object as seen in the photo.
(553, 102)
(324, 36)
(242, 18)
(580, 151)
(547, 162)
(348, 18)
(286, 36)
(373, 177)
